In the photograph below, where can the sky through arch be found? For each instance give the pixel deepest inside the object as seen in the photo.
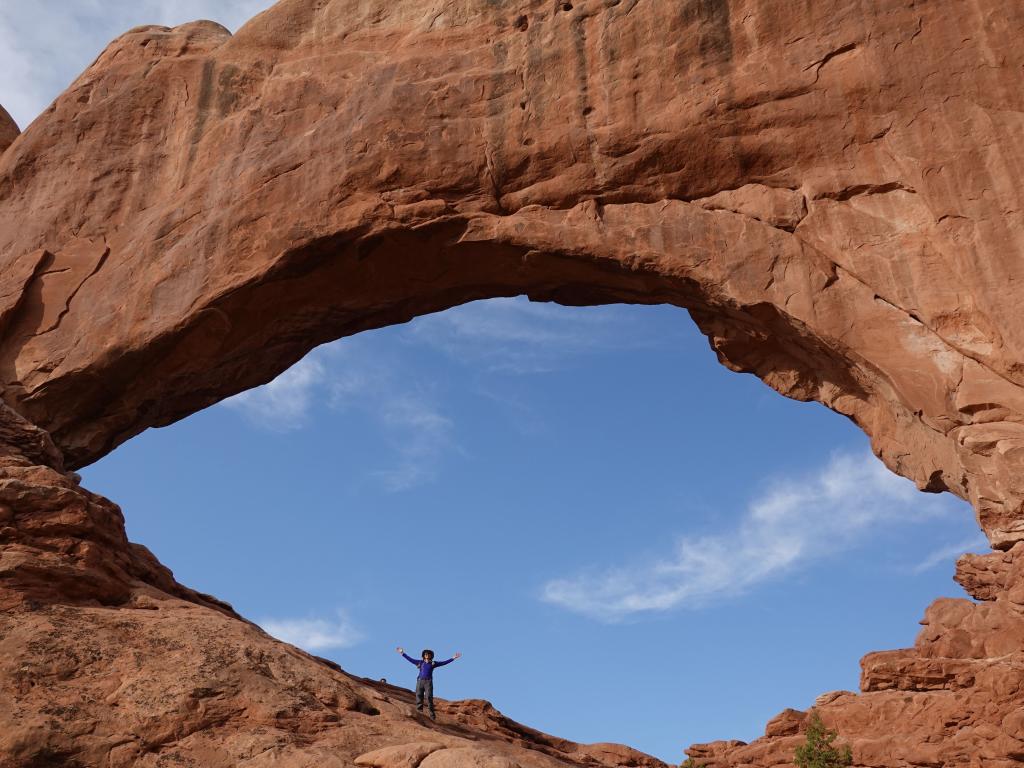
(627, 541)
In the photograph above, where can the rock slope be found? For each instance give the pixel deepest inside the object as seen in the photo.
(107, 662)
(831, 189)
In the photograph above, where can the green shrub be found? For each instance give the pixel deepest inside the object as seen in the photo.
(691, 763)
(818, 752)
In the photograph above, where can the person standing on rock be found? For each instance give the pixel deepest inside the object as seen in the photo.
(425, 678)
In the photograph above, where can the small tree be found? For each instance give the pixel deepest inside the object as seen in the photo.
(691, 763)
(818, 752)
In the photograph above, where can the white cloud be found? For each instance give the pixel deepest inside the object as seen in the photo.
(516, 335)
(315, 634)
(949, 554)
(794, 523)
(46, 44)
(344, 377)
(406, 411)
(511, 334)
(424, 436)
(283, 404)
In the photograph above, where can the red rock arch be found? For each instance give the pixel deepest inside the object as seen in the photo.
(829, 188)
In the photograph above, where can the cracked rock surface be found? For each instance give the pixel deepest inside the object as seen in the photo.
(831, 189)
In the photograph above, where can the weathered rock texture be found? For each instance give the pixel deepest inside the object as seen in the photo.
(8, 130)
(830, 188)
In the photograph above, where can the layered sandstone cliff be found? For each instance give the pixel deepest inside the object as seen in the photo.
(831, 189)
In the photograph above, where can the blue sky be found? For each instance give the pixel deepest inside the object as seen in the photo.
(627, 541)
(46, 44)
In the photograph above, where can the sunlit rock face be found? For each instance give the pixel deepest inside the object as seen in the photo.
(830, 188)
(8, 130)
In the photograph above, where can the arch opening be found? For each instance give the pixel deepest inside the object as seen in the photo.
(475, 354)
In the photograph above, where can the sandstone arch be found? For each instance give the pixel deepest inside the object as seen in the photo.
(829, 188)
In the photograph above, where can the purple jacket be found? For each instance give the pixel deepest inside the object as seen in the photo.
(426, 667)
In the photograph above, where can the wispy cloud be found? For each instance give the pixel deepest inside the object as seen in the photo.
(516, 335)
(347, 376)
(425, 435)
(406, 410)
(46, 44)
(283, 404)
(792, 524)
(947, 555)
(508, 335)
(315, 634)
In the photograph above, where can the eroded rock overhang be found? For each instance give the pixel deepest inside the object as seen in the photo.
(830, 190)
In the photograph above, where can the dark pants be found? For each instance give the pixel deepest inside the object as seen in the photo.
(425, 687)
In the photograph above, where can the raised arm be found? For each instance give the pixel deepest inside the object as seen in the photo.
(407, 657)
(442, 663)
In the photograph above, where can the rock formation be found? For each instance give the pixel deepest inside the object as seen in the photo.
(831, 189)
(8, 130)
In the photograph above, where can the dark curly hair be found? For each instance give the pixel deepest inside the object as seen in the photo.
(426, 652)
